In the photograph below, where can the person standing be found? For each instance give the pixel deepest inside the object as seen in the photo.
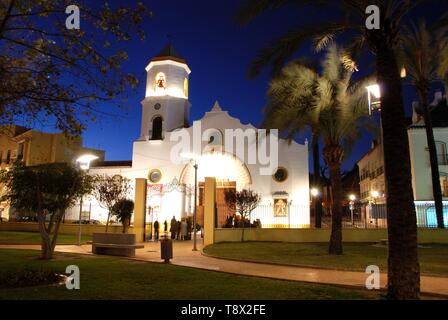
(178, 226)
(189, 228)
(156, 230)
(173, 228)
(183, 230)
(165, 229)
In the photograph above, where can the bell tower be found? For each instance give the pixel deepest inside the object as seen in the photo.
(166, 106)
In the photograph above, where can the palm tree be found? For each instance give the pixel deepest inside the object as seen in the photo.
(349, 18)
(441, 33)
(425, 61)
(329, 104)
(289, 123)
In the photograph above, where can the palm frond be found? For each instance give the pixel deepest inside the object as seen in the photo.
(421, 53)
(322, 41)
(329, 102)
(282, 48)
(250, 9)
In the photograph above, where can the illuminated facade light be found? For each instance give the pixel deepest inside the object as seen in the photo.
(375, 194)
(85, 160)
(374, 96)
(314, 192)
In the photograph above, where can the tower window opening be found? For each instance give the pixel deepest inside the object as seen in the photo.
(160, 81)
(156, 128)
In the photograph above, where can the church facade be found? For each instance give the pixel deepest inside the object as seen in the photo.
(238, 155)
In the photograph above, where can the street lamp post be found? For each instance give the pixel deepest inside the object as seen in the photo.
(84, 164)
(193, 157)
(352, 198)
(195, 209)
(314, 193)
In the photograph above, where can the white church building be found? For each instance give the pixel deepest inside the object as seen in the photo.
(238, 155)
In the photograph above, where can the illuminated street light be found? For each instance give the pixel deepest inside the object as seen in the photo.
(352, 198)
(375, 194)
(84, 161)
(84, 164)
(403, 73)
(374, 96)
(314, 192)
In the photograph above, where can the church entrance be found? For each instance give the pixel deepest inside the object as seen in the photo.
(229, 172)
(222, 209)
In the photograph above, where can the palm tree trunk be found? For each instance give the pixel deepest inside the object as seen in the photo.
(403, 265)
(317, 183)
(435, 175)
(333, 157)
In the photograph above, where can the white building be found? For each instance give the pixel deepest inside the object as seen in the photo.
(281, 178)
(372, 183)
(418, 147)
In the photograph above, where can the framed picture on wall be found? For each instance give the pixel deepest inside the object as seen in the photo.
(280, 207)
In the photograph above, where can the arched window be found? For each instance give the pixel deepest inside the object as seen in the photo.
(157, 128)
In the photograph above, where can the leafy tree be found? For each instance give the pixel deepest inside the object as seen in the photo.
(123, 209)
(110, 190)
(51, 73)
(425, 60)
(330, 104)
(48, 191)
(349, 19)
(244, 202)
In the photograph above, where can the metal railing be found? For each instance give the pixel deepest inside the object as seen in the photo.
(265, 216)
(372, 216)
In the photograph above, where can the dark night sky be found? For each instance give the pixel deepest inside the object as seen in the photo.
(218, 52)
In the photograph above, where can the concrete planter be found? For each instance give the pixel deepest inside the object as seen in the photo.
(116, 244)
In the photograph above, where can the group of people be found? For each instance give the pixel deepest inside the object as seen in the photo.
(180, 230)
(236, 221)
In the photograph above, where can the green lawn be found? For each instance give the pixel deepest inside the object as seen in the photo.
(357, 256)
(14, 237)
(115, 278)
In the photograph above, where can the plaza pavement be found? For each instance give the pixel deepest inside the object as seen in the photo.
(184, 256)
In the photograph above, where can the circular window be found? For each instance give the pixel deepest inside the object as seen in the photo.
(214, 137)
(155, 175)
(157, 106)
(280, 175)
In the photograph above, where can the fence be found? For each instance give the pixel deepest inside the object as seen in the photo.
(375, 216)
(266, 216)
(295, 216)
(426, 215)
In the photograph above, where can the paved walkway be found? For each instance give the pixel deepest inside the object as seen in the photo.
(184, 256)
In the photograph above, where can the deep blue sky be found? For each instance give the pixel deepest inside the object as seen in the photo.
(218, 52)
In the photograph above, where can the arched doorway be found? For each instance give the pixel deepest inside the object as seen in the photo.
(230, 173)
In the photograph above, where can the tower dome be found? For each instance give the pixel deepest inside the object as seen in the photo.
(169, 53)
